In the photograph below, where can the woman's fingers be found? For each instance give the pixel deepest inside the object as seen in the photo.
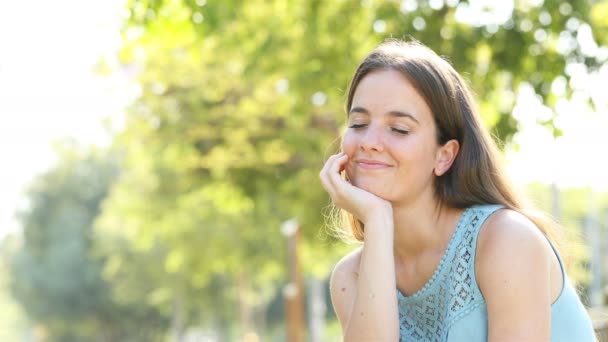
(325, 174)
(338, 189)
(330, 174)
(343, 194)
(340, 186)
(336, 166)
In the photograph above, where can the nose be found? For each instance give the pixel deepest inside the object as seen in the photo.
(372, 139)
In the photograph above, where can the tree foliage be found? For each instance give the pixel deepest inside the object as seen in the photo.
(240, 103)
(56, 276)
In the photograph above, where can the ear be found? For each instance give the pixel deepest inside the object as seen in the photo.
(446, 156)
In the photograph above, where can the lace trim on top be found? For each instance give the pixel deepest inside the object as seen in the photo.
(452, 291)
(439, 267)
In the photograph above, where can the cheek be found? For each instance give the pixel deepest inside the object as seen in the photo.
(349, 145)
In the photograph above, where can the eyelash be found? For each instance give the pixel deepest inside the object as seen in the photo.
(396, 130)
(357, 126)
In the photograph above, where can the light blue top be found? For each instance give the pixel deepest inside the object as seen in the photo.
(450, 306)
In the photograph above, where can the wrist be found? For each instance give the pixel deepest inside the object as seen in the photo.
(381, 216)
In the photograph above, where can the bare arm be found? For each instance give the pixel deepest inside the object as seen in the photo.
(513, 271)
(364, 291)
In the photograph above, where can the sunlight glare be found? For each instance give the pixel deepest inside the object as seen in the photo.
(484, 12)
(49, 90)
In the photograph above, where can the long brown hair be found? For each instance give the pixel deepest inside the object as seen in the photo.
(476, 176)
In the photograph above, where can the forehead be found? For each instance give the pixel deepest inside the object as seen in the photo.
(384, 91)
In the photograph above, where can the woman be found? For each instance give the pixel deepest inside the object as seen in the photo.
(449, 252)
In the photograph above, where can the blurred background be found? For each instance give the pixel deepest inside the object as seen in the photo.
(161, 157)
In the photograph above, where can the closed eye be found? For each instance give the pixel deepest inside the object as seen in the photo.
(400, 131)
(357, 126)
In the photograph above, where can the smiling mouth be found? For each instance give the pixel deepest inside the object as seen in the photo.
(371, 165)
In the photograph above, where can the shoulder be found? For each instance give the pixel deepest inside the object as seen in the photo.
(343, 283)
(507, 235)
(513, 271)
(345, 271)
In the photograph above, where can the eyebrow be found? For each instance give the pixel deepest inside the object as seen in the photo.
(394, 113)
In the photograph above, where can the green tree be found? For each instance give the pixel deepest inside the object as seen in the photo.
(15, 325)
(241, 103)
(56, 277)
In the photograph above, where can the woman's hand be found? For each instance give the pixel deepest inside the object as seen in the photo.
(363, 286)
(360, 203)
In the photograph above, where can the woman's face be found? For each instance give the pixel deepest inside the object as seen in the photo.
(390, 138)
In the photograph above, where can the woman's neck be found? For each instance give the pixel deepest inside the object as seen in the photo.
(422, 227)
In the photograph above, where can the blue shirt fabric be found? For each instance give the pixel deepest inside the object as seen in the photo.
(450, 306)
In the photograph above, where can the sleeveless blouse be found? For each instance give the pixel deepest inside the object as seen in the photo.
(450, 306)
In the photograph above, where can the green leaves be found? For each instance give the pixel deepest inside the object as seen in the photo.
(242, 101)
(57, 277)
(240, 104)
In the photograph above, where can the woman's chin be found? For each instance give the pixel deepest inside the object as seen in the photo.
(375, 189)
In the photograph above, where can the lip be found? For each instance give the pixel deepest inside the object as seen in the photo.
(370, 164)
